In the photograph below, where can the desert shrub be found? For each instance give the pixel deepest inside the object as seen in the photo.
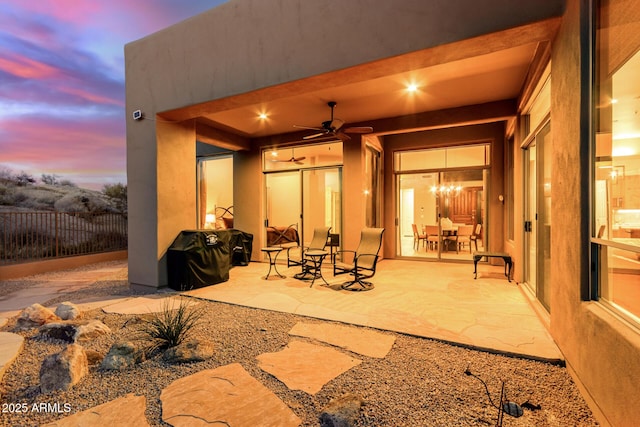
(6, 194)
(18, 197)
(81, 201)
(171, 326)
(118, 194)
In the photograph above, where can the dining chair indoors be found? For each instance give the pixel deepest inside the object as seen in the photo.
(417, 237)
(433, 236)
(462, 237)
(476, 235)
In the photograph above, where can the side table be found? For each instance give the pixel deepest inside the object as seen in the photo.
(272, 252)
(312, 264)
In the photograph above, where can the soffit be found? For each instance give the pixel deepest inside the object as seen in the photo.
(471, 72)
(492, 77)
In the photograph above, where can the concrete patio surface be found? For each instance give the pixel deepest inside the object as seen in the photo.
(427, 299)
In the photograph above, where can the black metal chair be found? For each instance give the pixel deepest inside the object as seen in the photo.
(365, 259)
(318, 241)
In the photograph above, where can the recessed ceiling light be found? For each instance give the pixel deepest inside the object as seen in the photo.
(262, 116)
(412, 87)
(614, 101)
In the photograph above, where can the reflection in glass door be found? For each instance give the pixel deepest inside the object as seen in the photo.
(306, 198)
(215, 191)
(321, 201)
(283, 199)
(538, 220)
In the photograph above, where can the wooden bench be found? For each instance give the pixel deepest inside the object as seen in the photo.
(508, 263)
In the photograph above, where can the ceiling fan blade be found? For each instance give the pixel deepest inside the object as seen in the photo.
(336, 124)
(298, 159)
(358, 129)
(306, 127)
(315, 135)
(343, 136)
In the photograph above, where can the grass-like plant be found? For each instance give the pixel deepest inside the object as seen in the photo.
(171, 326)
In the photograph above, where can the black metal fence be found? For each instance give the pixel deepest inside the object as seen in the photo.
(34, 236)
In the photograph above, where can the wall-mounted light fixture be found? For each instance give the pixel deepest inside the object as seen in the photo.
(137, 115)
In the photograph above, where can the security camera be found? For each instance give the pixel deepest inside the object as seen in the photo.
(137, 115)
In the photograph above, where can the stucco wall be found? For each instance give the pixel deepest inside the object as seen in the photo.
(245, 46)
(600, 349)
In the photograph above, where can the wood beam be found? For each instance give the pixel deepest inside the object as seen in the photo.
(221, 138)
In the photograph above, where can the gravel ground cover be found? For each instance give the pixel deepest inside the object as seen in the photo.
(420, 382)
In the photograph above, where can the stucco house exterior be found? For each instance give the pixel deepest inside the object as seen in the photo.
(517, 116)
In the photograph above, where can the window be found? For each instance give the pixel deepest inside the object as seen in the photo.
(302, 156)
(442, 158)
(616, 150)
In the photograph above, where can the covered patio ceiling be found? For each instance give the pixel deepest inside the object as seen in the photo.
(478, 80)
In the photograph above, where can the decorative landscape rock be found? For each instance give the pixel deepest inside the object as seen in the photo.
(90, 330)
(58, 331)
(73, 331)
(342, 411)
(192, 351)
(62, 370)
(35, 315)
(68, 311)
(121, 356)
(94, 357)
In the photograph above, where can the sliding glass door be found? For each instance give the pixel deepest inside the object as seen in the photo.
(305, 199)
(538, 216)
(303, 188)
(441, 202)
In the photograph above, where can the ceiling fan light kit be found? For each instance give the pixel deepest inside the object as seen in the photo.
(333, 127)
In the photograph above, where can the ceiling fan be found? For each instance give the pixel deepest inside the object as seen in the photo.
(293, 159)
(333, 127)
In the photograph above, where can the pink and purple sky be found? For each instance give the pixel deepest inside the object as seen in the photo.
(62, 83)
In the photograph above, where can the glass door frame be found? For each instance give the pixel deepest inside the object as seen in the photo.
(537, 206)
(439, 205)
(302, 234)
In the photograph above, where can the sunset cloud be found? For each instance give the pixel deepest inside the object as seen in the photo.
(62, 82)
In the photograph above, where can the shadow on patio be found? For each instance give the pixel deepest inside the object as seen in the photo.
(427, 299)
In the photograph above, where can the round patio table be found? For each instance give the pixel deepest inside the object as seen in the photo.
(312, 265)
(272, 252)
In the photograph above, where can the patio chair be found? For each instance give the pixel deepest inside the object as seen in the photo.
(318, 241)
(417, 237)
(476, 235)
(365, 259)
(462, 236)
